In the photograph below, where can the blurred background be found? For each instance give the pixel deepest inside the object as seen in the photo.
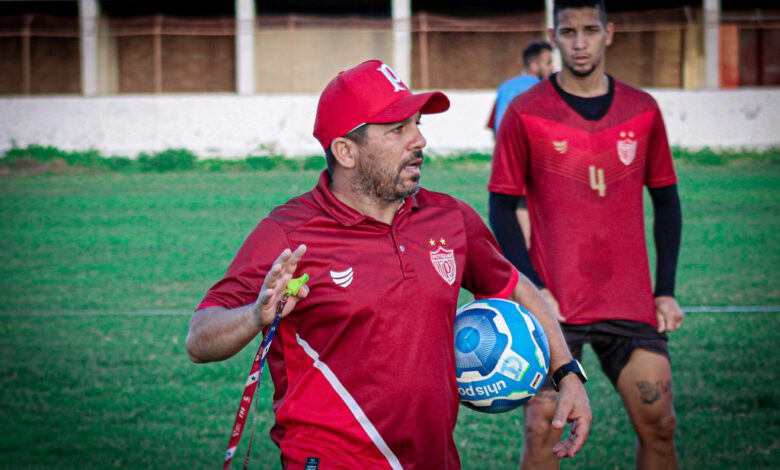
(109, 47)
(197, 57)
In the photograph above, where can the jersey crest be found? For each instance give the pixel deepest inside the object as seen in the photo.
(626, 148)
(444, 262)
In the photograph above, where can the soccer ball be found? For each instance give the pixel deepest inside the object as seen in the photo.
(501, 355)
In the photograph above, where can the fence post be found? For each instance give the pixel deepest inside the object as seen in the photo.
(88, 22)
(245, 47)
(402, 40)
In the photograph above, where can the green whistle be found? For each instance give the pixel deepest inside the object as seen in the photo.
(294, 285)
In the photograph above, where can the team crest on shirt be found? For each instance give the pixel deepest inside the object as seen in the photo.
(626, 147)
(444, 262)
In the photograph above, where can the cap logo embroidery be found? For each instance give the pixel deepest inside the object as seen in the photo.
(391, 77)
(342, 278)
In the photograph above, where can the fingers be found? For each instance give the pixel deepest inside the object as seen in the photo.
(561, 318)
(550, 298)
(661, 322)
(292, 301)
(673, 324)
(284, 267)
(680, 319)
(574, 408)
(561, 413)
(275, 284)
(578, 434)
(296, 255)
(677, 319)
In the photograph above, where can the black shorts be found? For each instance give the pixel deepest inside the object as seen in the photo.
(613, 341)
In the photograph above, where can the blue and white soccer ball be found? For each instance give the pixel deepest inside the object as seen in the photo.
(501, 354)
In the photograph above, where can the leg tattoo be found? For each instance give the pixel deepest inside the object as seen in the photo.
(651, 393)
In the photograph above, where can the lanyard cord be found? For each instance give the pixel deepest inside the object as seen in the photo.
(253, 381)
(252, 384)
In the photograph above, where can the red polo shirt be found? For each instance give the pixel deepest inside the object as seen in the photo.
(364, 368)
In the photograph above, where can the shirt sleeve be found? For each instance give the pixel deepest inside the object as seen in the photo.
(487, 272)
(660, 168)
(667, 232)
(509, 234)
(242, 282)
(509, 166)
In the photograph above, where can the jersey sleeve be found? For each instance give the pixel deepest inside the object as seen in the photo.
(244, 277)
(510, 156)
(660, 168)
(487, 272)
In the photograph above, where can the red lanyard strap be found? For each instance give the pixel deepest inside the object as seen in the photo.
(255, 376)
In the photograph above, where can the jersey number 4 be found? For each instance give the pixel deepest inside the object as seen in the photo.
(597, 180)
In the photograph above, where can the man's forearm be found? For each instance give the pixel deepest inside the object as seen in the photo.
(217, 333)
(527, 295)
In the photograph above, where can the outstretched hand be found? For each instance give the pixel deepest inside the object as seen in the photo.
(574, 408)
(275, 287)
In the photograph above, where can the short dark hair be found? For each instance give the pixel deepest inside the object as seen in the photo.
(358, 136)
(534, 50)
(561, 5)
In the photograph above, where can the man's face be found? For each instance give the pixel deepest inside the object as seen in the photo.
(390, 160)
(542, 66)
(582, 40)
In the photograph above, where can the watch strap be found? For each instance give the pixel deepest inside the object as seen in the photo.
(572, 367)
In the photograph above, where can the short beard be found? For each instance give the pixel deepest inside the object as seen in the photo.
(579, 74)
(382, 184)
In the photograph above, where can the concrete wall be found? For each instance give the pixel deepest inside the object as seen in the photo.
(303, 61)
(234, 126)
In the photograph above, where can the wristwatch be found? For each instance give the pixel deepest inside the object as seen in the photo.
(573, 367)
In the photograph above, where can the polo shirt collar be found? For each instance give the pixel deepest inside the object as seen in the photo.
(344, 214)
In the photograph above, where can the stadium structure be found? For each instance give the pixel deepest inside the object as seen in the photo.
(86, 60)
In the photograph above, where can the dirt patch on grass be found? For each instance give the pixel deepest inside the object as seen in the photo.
(33, 166)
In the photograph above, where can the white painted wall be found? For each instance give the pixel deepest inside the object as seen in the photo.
(235, 126)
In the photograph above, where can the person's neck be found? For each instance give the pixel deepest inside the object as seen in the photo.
(590, 86)
(380, 210)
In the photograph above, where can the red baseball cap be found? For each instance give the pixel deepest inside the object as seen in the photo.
(370, 93)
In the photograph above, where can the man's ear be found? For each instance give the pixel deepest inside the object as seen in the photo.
(344, 151)
(610, 30)
(533, 67)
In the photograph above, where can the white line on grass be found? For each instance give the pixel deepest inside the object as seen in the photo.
(177, 312)
(758, 308)
(97, 313)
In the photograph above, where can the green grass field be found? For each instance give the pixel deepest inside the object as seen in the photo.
(96, 377)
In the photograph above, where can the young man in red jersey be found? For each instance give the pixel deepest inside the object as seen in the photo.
(582, 145)
(363, 364)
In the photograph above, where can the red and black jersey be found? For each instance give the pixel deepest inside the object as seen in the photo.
(364, 368)
(584, 181)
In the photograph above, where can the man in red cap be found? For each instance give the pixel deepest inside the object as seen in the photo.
(363, 365)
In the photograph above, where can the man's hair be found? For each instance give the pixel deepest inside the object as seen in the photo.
(561, 5)
(533, 51)
(358, 136)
